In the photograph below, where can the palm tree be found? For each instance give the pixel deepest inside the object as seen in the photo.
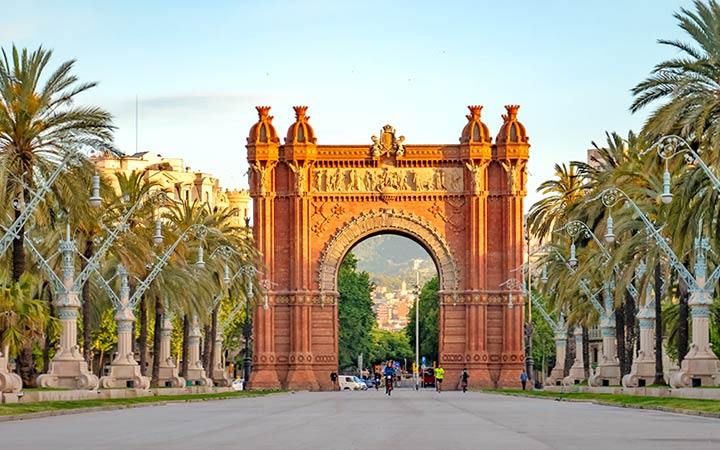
(561, 192)
(39, 124)
(23, 320)
(689, 83)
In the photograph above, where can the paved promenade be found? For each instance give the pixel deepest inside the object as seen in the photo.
(368, 420)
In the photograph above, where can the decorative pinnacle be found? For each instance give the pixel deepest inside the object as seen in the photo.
(263, 112)
(300, 113)
(512, 110)
(475, 111)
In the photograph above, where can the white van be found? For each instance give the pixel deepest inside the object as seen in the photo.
(348, 383)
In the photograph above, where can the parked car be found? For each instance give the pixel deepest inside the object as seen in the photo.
(428, 378)
(362, 382)
(238, 384)
(349, 383)
(368, 383)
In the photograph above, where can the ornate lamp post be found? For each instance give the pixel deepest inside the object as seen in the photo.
(124, 370)
(669, 146)
(11, 382)
(513, 285)
(416, 372)
(529, 328)
(577, 370)
(700, 366)
(245, 270)
(68, 368)
(608, 370)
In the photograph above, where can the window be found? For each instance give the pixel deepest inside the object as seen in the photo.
(476, 133)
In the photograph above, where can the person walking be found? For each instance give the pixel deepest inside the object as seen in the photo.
(439, 375)
(333, 379)
(523, 379)
(464, 379)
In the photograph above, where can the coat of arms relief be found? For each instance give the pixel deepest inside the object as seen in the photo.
(388, 144)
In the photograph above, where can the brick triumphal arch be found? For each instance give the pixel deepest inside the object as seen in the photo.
(462, 202)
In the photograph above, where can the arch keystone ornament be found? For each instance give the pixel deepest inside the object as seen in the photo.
(462, 202)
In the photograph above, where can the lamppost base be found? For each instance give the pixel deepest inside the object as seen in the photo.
(697, 369)
(198, 377)
(169, 376)
(72, 374)
(576, 374)
(606, 374)
(124, 376)
(556, 376)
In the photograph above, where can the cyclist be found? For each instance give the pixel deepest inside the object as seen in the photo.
(389, 374)
(464, 379)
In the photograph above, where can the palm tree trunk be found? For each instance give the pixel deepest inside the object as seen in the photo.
(87, 327)
(159, 311)
(207, 346)
(185, 347)
(48, 337)
(19, 250)
(630, 332)
(213, 333)
(143, 337)
(659, 376)
(25, 365)
(100, 364)
(570, 353)
(586, 351)
(620, 339)
(683, 332)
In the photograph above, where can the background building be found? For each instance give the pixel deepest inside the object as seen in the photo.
(179, 181)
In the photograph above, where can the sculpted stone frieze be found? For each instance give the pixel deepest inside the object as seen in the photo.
(388, 179)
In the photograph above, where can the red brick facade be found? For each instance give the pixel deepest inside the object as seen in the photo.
(463, 203)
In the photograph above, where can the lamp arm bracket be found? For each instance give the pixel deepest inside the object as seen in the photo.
(14, 231)
(44, 264)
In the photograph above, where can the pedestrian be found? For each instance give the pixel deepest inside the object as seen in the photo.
(523, 379)
(464, 379)
(333, 379)
(439, 375)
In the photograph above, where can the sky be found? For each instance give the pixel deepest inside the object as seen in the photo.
(198, 69)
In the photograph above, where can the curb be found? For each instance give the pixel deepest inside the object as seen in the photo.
(91, 409)
(687, 412)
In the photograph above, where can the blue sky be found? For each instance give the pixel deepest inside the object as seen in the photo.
(199, 68)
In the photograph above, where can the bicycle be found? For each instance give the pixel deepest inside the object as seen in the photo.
(388, 385)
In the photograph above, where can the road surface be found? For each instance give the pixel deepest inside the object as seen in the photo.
(368, 420)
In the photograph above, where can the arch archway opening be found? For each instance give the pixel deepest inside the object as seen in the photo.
(379, 282)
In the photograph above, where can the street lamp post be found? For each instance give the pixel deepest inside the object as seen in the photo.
(123, 369)
(514, 285)
(668, 147)
(417, 331)
(68, 368)
(700, 366)
(529, 329)
(608, 369)
(577, 371)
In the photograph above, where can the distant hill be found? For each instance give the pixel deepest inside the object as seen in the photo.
(391, 259)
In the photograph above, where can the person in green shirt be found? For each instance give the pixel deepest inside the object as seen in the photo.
(439, 375)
